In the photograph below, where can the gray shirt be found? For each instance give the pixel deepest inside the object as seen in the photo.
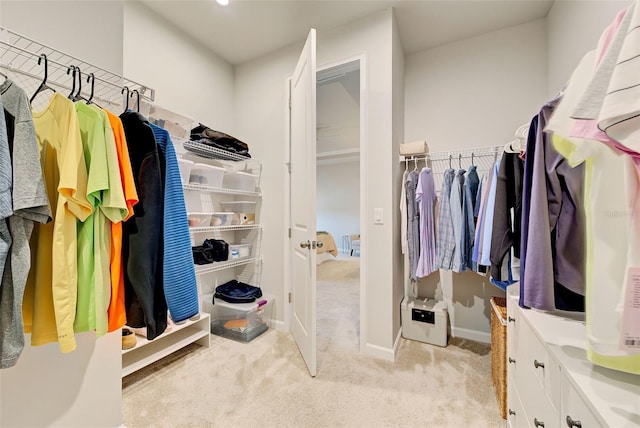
(30, 203)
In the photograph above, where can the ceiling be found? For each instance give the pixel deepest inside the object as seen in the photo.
(247, 29)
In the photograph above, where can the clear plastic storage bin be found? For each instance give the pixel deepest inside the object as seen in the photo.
(206, 175)
(239, 251)
(239, 180)
(242, 322)
(222, 219)
(198, 219)
(185, 166)
(248, 207)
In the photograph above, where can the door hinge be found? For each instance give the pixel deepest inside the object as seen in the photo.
(289, 232)
(289, 167)
(289, 297)
(289, 103)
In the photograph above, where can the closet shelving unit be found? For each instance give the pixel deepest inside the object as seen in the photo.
(207, 199)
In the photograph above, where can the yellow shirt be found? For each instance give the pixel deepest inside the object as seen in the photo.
(50, 296)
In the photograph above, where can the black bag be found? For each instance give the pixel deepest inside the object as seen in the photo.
(237, 292)
(202, 255)
(219, 249)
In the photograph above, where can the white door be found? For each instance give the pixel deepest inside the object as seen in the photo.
(303, 202)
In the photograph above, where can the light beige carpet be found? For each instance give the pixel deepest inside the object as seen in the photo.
(338, 270)
(266, 383)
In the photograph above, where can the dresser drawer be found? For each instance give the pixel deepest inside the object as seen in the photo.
(574, 412)
(516, 417)
(534, 364)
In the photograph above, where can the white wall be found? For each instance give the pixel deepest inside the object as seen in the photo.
(466, 94)
(573, 29)
(398, 73)
(188, 78)
(262, 124)
(46, 387)
(89, 30)
(338, 199)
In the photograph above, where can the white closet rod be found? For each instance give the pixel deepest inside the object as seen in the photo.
(481, 152)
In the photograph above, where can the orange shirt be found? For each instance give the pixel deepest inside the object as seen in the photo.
(116, 313)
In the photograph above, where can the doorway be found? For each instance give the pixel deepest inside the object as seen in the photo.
(338, 112)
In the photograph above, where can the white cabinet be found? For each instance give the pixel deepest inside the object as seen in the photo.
(551, 383)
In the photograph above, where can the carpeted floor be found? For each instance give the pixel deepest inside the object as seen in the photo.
(266, 383)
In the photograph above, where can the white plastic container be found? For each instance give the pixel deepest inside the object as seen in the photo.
(242, 322)
(424, 320)
(222, 219)
(185, 166)
(239, 180)
(206, 175)
(199, 219)
(239, 251)
(248, 207)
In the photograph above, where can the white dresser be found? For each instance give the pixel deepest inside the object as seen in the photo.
(550, 382)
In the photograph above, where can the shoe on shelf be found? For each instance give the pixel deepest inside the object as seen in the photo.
(128, 339)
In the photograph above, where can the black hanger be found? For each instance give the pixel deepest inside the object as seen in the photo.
(91, 78)
(72, 68)
(460, 160)
(471, 158)
(135, 91)
(3, 75)
(449, 161)
(78, 96)
(126, 97)
(43, 86)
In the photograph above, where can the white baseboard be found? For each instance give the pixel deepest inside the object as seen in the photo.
(396, 344)
(279, 325)
(379, 352)
(465, 333)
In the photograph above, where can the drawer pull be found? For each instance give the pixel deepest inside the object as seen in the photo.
(511, 360)
(511, 412)
(537, 364)
(571, 423)
(511, 319)
(537, 423)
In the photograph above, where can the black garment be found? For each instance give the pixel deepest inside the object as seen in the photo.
(204, 135)
(508, 195)
(145, 303)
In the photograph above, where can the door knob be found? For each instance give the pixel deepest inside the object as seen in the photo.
(319, 244)
(537, 364)
(305, 244)
(573, 423)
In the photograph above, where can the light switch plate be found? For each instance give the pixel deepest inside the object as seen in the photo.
(377, 216)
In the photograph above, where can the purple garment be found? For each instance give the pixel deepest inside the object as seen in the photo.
(426, 197)
(413, 220)
(554, 277)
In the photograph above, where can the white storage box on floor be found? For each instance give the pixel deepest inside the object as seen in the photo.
(424, 320)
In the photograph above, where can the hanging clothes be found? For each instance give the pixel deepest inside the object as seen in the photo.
(105, 193)
(116, 311)
(403, 213)
(553, 276)
(457, 264)
(145, 302)
(471, 184)
(426, 197)
(506, 233)
(179, 277)
(484, 244)
(50, 297)
(413, 229)
(446, 239)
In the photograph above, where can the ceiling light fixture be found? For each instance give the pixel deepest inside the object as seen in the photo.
(223, 2)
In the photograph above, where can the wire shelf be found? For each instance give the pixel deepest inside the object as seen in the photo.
(211, 152)
(19, 54)
(224, 228)
(218, 266)
(202, 188)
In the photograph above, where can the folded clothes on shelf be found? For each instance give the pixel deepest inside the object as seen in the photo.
(211, 250)
(204, 135)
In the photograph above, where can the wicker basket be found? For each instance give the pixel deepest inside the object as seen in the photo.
(499, 351)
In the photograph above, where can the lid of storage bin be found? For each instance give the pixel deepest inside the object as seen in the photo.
(244, 307)
(242, 173)
(187, 161)
(206, 166)
(223, 213)
(195, 213)
(437, 306)
(238, 202)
